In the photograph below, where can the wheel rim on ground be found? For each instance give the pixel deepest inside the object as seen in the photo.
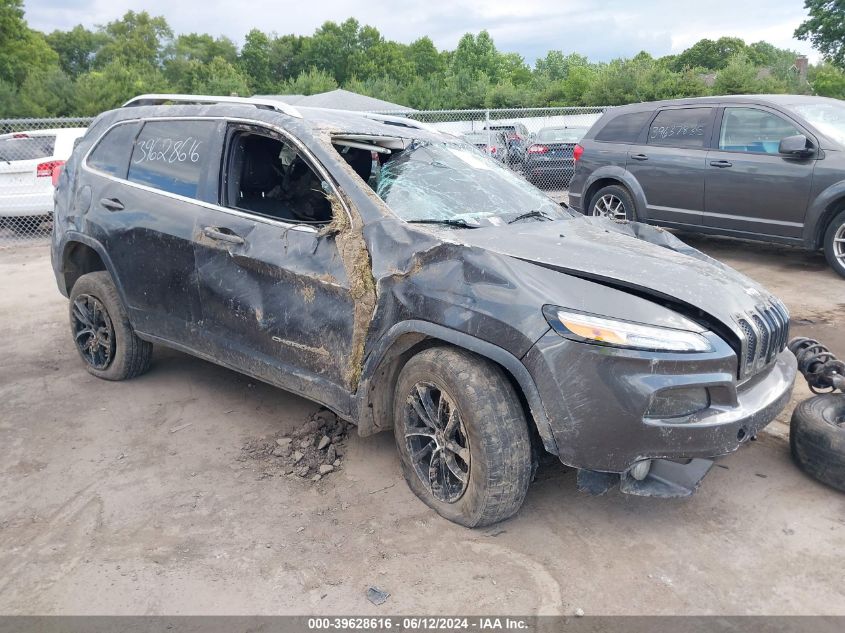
(93, 331)
(610, 206)
(437, 442)
(839, 244)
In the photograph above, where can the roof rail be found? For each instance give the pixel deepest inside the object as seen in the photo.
(161, 99)
(402, 121)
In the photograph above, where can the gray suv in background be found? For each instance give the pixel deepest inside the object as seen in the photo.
(764, 167)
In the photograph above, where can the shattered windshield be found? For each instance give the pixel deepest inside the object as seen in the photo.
(450, 181)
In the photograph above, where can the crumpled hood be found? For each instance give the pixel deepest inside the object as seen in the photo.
(631, 255)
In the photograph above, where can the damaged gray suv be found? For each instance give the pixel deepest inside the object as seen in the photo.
(407, 281)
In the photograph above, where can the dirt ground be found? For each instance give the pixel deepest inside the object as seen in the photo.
(154, 496)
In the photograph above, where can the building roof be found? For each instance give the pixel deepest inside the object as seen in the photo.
(289, 99)
(340, 100)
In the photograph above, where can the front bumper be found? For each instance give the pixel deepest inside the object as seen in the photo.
(597, 398)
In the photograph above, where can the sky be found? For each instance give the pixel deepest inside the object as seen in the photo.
(600, 29)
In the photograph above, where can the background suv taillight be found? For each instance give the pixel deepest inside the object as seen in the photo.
(51, 169)
(576, 152)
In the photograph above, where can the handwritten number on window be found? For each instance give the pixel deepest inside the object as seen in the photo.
(680, 129)
(169, 150)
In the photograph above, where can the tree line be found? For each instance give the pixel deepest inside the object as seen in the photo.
(85, 71)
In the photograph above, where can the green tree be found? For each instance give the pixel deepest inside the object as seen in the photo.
(309, 82)
(204, 47)
(76, 48)
(137, 39)
(827, 80)
(47, 93)
(738, 77)
(382, 59)
(288, 57)
(112, 85)
(825, 29)
(219, 77)
(425, 58)
(9, 102)
(255, 61)
(334, 46)
(709, 54)
(22, 50)
(476, 56)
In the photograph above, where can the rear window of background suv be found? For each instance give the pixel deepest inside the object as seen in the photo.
(27, 147)
(624, 128)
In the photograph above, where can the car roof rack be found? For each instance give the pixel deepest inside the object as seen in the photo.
(162, 99)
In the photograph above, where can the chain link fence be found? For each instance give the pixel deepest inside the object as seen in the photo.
(537, 143)
(32, 152)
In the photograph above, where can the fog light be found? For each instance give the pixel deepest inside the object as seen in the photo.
(678, 402)
(639, 471)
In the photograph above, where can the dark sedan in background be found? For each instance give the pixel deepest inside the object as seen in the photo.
(549, 160)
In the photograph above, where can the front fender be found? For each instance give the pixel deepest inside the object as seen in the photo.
(405, 335)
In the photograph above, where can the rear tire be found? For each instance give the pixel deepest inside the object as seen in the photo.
(478, 473)
(101, 330)
(834, 249)
(614, 202)
(817, 438)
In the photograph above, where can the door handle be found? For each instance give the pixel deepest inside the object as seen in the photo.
(721, 163)
(639, 156)
(112, 204)
(220, 235)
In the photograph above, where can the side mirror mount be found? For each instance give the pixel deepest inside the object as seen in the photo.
(798, 146)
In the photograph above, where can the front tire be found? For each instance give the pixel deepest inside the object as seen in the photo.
(834, 244)
(462, 436)
(614, 202)
(101, 330)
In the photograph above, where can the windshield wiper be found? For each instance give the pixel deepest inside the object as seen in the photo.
(530, 214)
(447, 221)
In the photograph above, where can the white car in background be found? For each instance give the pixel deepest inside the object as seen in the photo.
(30, 164)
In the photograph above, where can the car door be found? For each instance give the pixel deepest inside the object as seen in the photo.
(275, 298)
(147, 179)
(669, 164)
(750, 187)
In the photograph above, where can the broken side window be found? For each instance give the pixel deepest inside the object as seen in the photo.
(268, 177)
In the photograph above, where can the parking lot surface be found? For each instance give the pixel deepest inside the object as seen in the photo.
(143, 497)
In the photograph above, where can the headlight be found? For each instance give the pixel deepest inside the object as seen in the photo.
(591, 328)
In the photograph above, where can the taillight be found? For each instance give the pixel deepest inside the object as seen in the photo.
(51, 169)
(492, 150)
(538, 149)
(577, 151)
(57, 171)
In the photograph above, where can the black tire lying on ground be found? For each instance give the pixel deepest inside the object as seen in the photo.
(817, 438)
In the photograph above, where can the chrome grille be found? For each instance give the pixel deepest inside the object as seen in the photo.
(765, 334)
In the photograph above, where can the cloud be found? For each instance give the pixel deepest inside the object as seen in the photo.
(599, 29)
